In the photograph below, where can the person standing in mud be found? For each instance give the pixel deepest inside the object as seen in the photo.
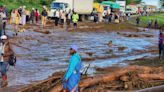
(27, 15)
(160, 44)
(63, 17)
(23, 17)
(4, 21)
(68, 19)
(6, 52)
(44, 16)
(32, 15)
(110, 18)
(57, 16)
(6, 11)
(72, 75)
(149, 24)
(15, 19)
(75, 18)
(1, 25)
(36, 16)
(156, 24)
(137, 21)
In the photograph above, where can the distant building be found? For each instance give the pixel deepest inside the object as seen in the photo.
(122, 4)
(151, 8)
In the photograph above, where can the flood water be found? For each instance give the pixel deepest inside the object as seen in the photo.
(40, 55)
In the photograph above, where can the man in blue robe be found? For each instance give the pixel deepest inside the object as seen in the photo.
(72, 75)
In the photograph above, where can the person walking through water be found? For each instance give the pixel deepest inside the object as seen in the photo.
(32, 15)
(57, 16)
(15, 18)
(75, 18)
(72, 75)
(6, 52)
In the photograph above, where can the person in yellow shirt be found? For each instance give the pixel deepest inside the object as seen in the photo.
(75, 18)
(44, 16)
(15, 20)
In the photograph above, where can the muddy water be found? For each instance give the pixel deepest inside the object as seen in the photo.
(40, 55)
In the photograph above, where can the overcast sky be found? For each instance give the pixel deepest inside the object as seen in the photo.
(151, 2)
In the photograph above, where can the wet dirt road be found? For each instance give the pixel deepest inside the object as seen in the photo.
(40, 55)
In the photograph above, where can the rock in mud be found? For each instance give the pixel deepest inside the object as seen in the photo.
(121, 48)
(124, 78)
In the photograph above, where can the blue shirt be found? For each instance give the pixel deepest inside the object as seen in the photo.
(74, 60)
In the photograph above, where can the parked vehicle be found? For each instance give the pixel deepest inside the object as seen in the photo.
(106, 10)
(130, 11)
(82, 7)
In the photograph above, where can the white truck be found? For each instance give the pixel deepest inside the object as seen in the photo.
(82, 7)
(131, 9)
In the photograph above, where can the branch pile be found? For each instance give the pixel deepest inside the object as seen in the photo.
(129, 78)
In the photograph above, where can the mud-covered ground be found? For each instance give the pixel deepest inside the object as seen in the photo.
(40, 54)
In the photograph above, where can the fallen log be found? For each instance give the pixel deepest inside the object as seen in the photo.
(152, 76)
(112, 76)
(102, 78)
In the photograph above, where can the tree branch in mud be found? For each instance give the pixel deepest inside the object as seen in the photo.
(97, 79)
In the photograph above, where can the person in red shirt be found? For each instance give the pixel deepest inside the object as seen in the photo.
(36, 16)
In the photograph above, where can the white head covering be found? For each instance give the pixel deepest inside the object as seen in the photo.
(4, 37)
(44, 7)
(74, 47)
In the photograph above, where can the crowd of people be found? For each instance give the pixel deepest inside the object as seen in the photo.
(109, 17)
(21, 16)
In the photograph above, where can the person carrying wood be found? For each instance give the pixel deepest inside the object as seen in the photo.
(72, 75)
(6, 53)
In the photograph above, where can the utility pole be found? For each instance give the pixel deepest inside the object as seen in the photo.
(73, 5)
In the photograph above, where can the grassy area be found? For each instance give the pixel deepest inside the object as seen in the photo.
(156, 62)
(145, 19)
